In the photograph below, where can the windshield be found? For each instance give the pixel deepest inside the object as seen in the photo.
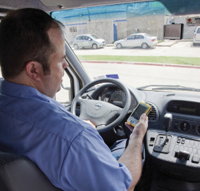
(161, 48)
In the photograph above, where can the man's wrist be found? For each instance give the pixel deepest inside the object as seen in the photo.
(136, 138)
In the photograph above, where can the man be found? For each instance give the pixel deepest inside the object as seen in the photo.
(69, 151)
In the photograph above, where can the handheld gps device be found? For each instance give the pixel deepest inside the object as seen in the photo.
(137, 112)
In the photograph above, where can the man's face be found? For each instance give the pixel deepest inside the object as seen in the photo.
(52, 82)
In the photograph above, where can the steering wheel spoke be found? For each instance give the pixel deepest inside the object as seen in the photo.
(119, 111)
(99, 127)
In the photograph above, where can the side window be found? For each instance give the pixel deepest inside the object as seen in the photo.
(198, 30)
(139, 37)
(131, 37)
(86, 38)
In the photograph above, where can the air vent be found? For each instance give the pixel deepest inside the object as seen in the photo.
(153, 114)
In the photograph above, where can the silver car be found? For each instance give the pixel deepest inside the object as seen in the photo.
(143, 40)
(88, 41)
(196, 38)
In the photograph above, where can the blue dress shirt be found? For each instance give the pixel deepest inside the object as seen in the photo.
(70, 152)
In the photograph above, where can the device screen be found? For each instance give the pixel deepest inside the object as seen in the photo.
(135, 115)
(139, 111)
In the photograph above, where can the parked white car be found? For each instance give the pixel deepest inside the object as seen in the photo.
(88, 41)
(143, 40)
(196, 38)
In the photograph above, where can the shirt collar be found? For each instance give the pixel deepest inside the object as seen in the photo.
(22, 91)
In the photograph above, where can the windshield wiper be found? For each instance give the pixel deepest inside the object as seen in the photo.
(168, 87)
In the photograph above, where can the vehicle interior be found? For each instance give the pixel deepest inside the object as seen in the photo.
(172, 141)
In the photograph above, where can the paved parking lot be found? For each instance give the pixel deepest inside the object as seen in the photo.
(172, 48)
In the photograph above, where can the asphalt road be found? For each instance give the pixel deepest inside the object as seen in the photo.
(143, 74)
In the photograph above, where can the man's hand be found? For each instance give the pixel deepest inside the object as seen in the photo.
(90, 123)
(132, 157)
(140, 129)
(143, 119)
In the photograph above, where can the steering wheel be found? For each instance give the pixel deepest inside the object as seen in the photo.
(105, 116)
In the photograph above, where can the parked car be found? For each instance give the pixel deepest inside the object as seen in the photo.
(196, 38)
(88, 41)
(143, 40)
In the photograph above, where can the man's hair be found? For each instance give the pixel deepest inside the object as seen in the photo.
(24, 38)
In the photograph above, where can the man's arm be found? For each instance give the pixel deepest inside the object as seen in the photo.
(132, 157)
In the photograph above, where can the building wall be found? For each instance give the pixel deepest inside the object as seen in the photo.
(104, 21)
(102, 29)
(152, 25)
(72, 30)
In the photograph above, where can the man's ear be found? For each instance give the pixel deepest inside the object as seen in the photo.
(34, 70)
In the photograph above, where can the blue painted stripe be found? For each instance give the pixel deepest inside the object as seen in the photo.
(120, 20)
(90, 14)
(76, 24)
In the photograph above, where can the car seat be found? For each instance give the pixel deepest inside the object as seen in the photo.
(17, 173)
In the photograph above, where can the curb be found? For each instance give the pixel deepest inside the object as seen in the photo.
(144, 64)
(167, 43)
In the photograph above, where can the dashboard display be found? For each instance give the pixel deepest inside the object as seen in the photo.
(117, 97)
(184, 107)
(187, 109)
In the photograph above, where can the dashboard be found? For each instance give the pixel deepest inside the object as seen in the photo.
(177, 150)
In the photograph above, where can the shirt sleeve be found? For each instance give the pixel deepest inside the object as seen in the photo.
(89, 165)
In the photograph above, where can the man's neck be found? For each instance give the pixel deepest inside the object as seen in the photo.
(21, 79)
